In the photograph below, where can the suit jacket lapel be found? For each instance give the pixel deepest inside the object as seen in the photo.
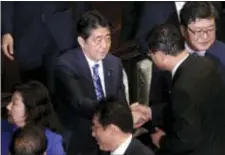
(180, 68)
(85, 69)
(108, 75)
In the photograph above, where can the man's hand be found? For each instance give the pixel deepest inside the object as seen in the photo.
(7, 45)
(141, 114)
(144, 110)
(138, 119)
(156, 136)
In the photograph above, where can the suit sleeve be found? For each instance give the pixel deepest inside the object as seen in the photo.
(7, 17)
(187, 102)
(83, 105)
(121, 89)
(159, 95)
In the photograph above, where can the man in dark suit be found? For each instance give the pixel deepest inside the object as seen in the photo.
(33, 33)
(84, 76)
(194, 124)
(112, 128)
(198, 26)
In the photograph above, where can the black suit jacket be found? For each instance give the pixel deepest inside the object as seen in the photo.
(195, 113)
(76, 96)
(137, 148)
(161, 81)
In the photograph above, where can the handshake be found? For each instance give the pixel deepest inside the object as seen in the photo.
(141, 114)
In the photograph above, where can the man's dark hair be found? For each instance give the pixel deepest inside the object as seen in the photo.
(91, 20)
(166, 38)
(110, 111)
(197, 10)
(28, 140)
(38, 107)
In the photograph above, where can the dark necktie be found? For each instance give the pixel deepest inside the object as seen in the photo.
(97, 83)
(195, 54)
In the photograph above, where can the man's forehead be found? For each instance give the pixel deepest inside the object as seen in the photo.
(100, 31)
(203, 23)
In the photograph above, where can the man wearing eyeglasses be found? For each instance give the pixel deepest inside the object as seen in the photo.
(198, 26)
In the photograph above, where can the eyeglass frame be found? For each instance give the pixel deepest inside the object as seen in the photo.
(198, 33)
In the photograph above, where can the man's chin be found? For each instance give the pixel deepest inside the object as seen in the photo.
(103, 149)
(204, 47)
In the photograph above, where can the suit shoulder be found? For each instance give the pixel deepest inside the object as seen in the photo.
(220, 44)
(68, 54)
(113, 57)
(52, 136)
(218, 49)
(55, 142)
(205, 65)
(136, 147)
(67, 58)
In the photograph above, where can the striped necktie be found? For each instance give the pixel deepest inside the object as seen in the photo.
(97, 83)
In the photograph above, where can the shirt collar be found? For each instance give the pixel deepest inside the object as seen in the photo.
(178, 64)
(191, 51)
(91, 62)
(123, 147)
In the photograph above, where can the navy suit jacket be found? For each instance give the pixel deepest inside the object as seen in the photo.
(217, 53)
(33, 23)
(75, 93)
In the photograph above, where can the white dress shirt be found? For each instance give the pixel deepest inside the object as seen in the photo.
(123, 147)
(179, 5)
(91, 63)
(178, 64)
(191, 51)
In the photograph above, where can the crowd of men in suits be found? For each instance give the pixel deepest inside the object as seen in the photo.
(187, 97)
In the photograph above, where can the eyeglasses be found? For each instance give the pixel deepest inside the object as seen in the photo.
(198, 33)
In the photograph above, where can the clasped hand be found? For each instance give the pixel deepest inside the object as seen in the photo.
(141, 114)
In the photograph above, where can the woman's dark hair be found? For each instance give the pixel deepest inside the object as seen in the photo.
(38, 107)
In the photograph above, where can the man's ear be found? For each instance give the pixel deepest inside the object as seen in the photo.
(182, 30)
(162, 57)
(81, 41)
(113, 129)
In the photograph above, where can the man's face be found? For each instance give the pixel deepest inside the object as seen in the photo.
(97, 45)
(102, 135)
(201, 34)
